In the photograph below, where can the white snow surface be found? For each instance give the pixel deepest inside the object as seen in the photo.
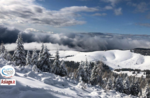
(115, 59)
(47, 85)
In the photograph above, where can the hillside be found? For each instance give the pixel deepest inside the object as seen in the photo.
(114, 58)
(46, 85)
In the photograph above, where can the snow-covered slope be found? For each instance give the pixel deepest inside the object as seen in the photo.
(46, 85)
(114, 58)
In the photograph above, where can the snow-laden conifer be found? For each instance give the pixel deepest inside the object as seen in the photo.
(109, 84)
(146, 92)
(87, 71)
(94, 75)
(41, 51)
(80, 71)
(126, 86)
(44, 62)
(5, 54)
(63, 69)
(34, 57)
(2, 48)
(118, 84)
(135, 89)
(19, 56)
(28, 58)
(56, 64)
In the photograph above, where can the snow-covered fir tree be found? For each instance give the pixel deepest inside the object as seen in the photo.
(109, 84)
(34, 57)
(63, 69)
(2, 48)
(104, 83)
(41, 51)
(9, 57)
(44, 62)
(126, 86)
(87, 71)
(118, 84)
(28, 58)
(94, 75)
(5, 54)
(135, 89)
(99, 71)
(80, 71)
(19, 56)
(56, 64)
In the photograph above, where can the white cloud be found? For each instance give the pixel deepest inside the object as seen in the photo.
(33, 45)
(112, 6)
(139, 7)
(118, 11)
(26, 11)
(99, 14)
(112, 2)
(78, 9)
(33, 30)
(108, 7)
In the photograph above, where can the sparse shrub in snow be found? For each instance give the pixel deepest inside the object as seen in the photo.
(44, 62)
(56, 64)
(34, 58)
(28, 58)
(19, 54)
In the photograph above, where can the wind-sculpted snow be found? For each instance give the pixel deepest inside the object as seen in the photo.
(47, 85)
(116, 59)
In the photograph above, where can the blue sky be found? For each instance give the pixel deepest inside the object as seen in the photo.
(67, 16)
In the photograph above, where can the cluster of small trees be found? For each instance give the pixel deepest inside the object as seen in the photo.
(107, 79)
(41, 61)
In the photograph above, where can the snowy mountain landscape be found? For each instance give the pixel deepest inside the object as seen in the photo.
(38, 77)
(115, 59)
(74, 49)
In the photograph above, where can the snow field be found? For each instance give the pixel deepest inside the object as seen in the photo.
(115, 59)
